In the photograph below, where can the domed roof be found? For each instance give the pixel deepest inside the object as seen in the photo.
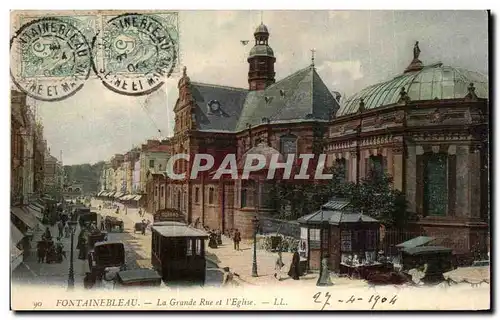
(432, 82)
(262, 149)
(261, 29)
(262, 50)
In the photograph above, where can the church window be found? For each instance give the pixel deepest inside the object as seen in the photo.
(247, 193)
(211, 196)
(197, 195)
(288, 144)
(436, 184)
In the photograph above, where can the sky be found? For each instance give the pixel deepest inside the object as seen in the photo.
(353, 49)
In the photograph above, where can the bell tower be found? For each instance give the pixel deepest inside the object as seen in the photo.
(261, 61)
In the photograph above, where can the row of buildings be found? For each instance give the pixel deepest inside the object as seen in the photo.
(36, 175)
(427, 127)
(125, 175)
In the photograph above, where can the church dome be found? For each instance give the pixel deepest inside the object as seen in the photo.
(261, 29)
(262, 149)
(261, 50)
(430, 83)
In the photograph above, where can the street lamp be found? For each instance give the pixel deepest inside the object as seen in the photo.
(71, 276)
(255, 222)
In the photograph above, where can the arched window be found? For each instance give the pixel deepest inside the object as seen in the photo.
(288, 144)
(435, 184)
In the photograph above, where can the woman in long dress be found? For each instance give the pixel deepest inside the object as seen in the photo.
(294, 271)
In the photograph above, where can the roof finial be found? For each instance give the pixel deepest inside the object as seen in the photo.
(313, 51)
(415, 64)
(261, 17)
(416, 51)
(184, 71)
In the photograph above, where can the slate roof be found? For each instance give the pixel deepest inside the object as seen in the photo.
(231, 103)
(335, 212)
(302, 96)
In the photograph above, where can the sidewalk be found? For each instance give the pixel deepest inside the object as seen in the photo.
(240, 262)
(55, 273)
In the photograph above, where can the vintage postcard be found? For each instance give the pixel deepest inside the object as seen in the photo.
(249, 160)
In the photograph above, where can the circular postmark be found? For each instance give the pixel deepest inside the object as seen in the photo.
(136, 54)
(50, 59)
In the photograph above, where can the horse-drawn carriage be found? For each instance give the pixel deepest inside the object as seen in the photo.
(96, 236)
(87, 218)
(105, 256)
(111, 223)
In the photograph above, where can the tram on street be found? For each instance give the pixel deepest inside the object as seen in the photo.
(178, 252)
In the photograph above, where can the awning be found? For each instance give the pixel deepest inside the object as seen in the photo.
(124, 197)
(118, 195)
(39, 204)
(16, 256)
(137, 198)
(110, 194)
(415, 242)
(27, 218)
(15, 234)
(36, 211)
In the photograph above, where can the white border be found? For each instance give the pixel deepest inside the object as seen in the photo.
(189, 5)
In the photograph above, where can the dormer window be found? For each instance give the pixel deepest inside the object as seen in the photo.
(213, 106)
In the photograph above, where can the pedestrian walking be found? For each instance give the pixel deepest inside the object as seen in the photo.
(41, 252)
(102, 225)
(125, 210)
(237, 239)
(278, 266)
(294, 271)
(60, 228)
(66, 230)
(143, 227)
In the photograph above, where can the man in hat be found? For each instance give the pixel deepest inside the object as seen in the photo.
(237, 239)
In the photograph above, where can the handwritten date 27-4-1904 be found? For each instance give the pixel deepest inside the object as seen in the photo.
(325, 298)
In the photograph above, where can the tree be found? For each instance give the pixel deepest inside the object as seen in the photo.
(376, 197)
(373, 196)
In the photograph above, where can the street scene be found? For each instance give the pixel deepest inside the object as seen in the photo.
(356, 157)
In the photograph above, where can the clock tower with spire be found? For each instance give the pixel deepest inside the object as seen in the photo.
(261, 61)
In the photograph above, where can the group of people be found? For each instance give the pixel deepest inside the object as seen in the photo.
(294, 272)
(47, 251)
